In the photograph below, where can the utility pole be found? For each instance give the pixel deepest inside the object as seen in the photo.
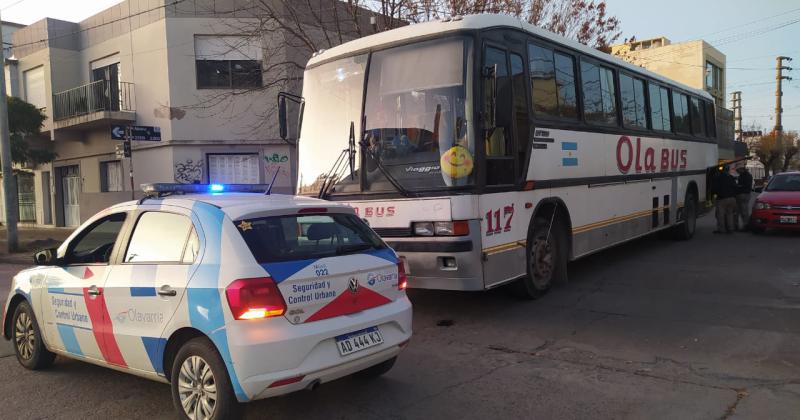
(9, 186)
(737, 114)
(779, 77)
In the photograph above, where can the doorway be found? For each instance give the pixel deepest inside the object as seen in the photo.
(71, 190)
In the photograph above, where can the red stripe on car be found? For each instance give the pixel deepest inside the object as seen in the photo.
(102, 328)
(348, 303)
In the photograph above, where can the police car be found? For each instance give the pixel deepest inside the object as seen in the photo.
(229, 296)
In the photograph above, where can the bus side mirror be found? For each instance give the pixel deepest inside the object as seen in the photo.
(490, 96)
(282, 116)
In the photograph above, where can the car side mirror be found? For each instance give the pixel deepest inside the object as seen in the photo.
(45, 257)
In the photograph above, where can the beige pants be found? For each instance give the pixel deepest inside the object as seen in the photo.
(725, 214)
(743, 208)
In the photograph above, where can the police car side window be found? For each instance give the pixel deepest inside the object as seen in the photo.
(95, 243)
(192, 248)
(158, 238)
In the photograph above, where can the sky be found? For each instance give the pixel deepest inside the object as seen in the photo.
(744, 30)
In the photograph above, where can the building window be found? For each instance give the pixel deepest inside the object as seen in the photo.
(233, 168)
(33, 83)
(228, 62)
(633, 108)
(713, 77)
(552, 82)
(111, 176)
(599, 94)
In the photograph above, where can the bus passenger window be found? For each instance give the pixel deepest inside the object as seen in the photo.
(521, 116)
(499, 146)
(552, 83)
(659, 108)
(680, 108)
(697, 120)
(599, 94)
(632, 93)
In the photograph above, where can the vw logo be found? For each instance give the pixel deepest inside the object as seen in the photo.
(353, 286)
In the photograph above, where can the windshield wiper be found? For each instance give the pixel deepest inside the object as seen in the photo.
(346, 249)
(347, 157)
(404, 192)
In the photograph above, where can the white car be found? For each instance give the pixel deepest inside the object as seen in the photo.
(228, 296)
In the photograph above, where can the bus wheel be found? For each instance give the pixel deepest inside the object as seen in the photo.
(685, 230)
(546, 259)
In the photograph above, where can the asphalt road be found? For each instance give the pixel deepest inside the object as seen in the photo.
(704, 329)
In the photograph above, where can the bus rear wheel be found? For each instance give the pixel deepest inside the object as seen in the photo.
(685, 230)
(545, 258)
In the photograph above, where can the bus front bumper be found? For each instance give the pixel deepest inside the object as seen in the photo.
(442, 262)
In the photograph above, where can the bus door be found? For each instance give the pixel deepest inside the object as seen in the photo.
(506, 152)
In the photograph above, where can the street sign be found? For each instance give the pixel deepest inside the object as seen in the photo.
(137, 132)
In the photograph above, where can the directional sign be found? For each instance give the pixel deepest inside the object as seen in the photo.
(137, 132)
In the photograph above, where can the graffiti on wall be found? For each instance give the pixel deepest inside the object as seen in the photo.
(188, 172)
(277, 162)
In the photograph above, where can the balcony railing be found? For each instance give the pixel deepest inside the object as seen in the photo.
(102, 95)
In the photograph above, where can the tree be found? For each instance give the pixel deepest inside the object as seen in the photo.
(791, 147)
(776, 156)
(24, 121)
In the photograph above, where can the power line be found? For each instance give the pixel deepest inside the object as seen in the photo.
(11, 5)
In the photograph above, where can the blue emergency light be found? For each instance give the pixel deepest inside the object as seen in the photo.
(162, 188)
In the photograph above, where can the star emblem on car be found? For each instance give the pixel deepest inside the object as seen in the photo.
(244, 226)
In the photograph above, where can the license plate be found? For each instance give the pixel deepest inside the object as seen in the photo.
(358, 340)
(788, 219)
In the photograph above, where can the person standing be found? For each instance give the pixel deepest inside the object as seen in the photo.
(725, 189)
(744, 186)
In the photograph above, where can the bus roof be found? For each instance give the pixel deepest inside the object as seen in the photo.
(481, 21)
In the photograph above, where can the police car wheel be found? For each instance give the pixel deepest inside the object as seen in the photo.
(201, 388)
(377, 370)
(27, 338)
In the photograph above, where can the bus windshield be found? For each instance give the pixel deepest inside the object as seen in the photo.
(417, 117)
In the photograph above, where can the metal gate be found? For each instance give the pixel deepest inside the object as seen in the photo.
(27, 197)
(71, 187)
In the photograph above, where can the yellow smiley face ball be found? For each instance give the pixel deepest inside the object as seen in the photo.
(457, 162)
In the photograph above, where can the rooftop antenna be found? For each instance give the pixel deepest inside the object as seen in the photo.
(269, 189)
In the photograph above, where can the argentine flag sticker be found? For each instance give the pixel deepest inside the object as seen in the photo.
(570, 149)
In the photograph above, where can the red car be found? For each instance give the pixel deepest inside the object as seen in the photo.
(778, 206)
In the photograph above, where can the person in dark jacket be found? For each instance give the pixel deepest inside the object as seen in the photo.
(725, 189)
(744, 185)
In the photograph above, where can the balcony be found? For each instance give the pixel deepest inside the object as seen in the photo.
(93, 105)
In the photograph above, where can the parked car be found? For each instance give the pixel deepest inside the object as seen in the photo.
(778, 206)
(229, 297)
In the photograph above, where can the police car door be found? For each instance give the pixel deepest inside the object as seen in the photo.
(145, 288)
(74, 313)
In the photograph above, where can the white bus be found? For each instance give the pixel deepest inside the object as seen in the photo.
(486, 151)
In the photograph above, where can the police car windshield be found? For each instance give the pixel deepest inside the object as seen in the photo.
(303, 237)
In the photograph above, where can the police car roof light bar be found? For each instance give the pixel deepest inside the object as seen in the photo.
(161, 189)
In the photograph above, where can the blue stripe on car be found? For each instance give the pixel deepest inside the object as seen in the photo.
(67, 334)
(203, 295)
(143, 291)
(155, 351)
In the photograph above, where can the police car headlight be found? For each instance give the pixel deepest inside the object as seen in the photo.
(760, 205)
(423, 229)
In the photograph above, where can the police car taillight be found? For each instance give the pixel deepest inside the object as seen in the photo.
(255, 298)
(402, 279)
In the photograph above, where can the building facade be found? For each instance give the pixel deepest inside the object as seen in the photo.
(693, 63)
(192, 68)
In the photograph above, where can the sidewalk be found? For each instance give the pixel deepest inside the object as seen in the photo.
(30, 240)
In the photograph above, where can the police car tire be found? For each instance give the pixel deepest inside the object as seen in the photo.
(525, 287)
(227, 406)
(377, 370)
(41, 358)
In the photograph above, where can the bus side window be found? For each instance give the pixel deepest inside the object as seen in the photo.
(521, 114)
(599, 94)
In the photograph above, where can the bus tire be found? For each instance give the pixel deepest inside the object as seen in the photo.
(686, 230)
(546, 258)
